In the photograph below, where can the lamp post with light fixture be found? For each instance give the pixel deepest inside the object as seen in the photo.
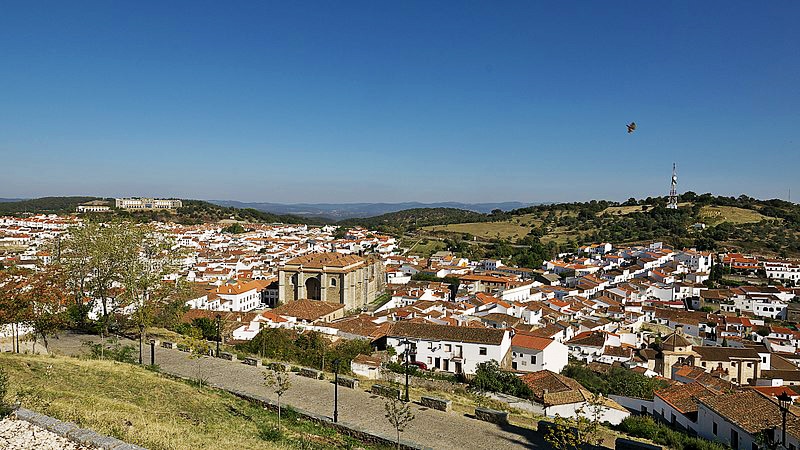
(784, 402)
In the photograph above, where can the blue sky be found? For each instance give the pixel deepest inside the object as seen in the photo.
(398, 101)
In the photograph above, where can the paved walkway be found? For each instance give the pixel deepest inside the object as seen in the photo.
(431, 428)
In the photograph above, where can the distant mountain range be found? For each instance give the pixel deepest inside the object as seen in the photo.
(339, 211)
(8, 200)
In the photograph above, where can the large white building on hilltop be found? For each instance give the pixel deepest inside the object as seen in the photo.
(147, 203)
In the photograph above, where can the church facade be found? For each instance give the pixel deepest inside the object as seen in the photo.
(350, 280)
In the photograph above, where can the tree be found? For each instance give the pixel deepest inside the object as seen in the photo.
(399, 415)
(141, 277)
(583, 430)
(280, 383)
(96, 256)
(46, 304)
(13, 286)
(489, 377)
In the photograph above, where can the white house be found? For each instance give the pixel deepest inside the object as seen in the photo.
(565, 397)
(532, 354)
(736, 419)
(450, 348)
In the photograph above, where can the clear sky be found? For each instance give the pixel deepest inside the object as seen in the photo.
(398, 101)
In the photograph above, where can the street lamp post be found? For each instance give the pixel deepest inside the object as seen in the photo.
(141, 341)
(335, 390)
(407, 354)
(219, 332)
(152, 352)
(784, 402)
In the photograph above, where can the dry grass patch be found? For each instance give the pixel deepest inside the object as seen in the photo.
(715, 215)
(485, 230)
(151, 410)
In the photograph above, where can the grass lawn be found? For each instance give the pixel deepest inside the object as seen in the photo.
(151, 410)
(485, 230)
(423, 247)
(715, 215)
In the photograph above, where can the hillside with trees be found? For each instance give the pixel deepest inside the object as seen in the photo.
(192, 212)
(707, 222)
(45, 205)
(411, 219)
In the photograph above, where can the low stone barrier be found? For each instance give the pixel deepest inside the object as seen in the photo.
(72, 432)
(437, 403)
(629, 444)
(169, 345)
(351, 383)
(228, 356)
(385, 391)
(312, 373)
(491, 415)
(252, 362)
(278, 366)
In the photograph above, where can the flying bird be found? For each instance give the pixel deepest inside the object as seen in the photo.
(631, 127)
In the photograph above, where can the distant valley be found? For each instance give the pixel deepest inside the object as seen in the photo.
(339, 211)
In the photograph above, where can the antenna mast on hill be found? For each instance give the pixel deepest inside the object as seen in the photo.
(673, 192)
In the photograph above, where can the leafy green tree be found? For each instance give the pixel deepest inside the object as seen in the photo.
(489, 377)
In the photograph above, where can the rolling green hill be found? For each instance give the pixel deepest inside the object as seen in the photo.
(192, 212)
(409, 219)
(51, 205)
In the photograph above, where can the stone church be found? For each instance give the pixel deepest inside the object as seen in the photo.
(351, 280)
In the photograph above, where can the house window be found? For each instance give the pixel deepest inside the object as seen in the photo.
(482, 351)
(333, 281)
(714, 428)
(533, 359)
(447, 347)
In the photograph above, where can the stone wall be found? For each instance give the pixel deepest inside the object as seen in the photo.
(437, 403)
(385, 391)
(491, 415)
(73, 432)
(312, 373)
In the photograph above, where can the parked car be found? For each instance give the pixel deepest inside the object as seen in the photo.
(421, 365)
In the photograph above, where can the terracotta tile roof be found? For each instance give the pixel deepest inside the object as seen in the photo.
(726, 353)
(320, 260)
(309, 310)
(373, 361)
(523, 340)
(589, 338)
(489, 336)
(683, 397)
(759, 413)
(550, 388)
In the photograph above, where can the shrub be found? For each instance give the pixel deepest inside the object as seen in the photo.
(646, 427)
(489, 377)
(270, 433)
(112, 350)
(4, 407)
